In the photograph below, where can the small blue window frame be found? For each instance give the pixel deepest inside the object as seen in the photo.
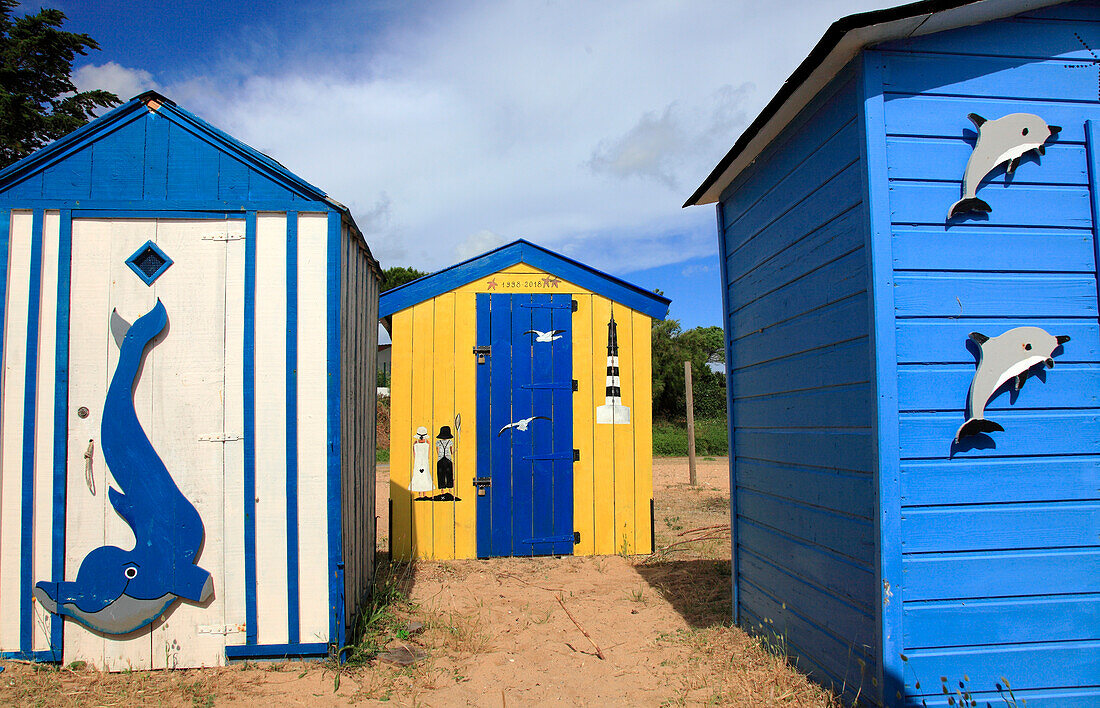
(132, 262)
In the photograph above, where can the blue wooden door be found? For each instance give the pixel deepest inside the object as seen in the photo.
(525, 425)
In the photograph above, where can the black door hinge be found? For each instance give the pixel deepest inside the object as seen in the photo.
(574, 302)
(576, 455)
(576, 537)
(576, 385)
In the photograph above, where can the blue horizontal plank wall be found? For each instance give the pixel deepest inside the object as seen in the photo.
(792, 233)
(1000, 543)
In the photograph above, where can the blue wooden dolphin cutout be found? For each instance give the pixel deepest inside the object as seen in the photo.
(1002, 140)
(118, 591)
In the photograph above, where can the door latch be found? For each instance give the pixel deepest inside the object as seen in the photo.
(482, 352)
(482, 483)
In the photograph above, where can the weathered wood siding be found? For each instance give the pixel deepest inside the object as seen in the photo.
(358, 355)
(795, 264)
(999, 546)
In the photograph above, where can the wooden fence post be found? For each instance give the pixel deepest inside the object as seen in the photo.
(691, 423)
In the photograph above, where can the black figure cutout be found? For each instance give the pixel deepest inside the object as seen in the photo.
(444, 466)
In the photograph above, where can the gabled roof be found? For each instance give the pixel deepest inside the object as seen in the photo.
(844, 39)
(632, 296)
(164, 107)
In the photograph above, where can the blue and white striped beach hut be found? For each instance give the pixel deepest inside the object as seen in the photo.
(187, 411)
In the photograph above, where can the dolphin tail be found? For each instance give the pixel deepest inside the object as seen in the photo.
(975, 426)
(968, 204)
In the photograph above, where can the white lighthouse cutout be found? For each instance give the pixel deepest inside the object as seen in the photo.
(613, 412)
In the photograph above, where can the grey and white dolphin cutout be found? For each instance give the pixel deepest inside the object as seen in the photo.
(1002, 140)
(1008, 356)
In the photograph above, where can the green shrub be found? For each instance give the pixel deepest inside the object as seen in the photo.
(670, 437)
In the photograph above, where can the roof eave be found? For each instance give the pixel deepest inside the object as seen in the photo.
(844, 39)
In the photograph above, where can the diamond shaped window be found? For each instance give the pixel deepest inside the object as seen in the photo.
(149, 262)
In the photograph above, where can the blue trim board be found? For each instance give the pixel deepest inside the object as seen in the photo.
(167, 208)
(249, 430)
(335, 528)
(156, 214)
(294, 650)
(30, 395)
(39, 657)
(60, 420)
(293, 603)
(889, 570)
(1092, 148)
(522, 251)
(732, 459)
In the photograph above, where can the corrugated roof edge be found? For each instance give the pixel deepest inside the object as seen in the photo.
(818, 57)
(521, 250)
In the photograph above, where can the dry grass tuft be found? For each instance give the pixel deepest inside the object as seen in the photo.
(727, 667)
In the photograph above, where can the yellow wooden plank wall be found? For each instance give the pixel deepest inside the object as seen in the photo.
(434, 379)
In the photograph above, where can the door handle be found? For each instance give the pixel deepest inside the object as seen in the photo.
(89, 477)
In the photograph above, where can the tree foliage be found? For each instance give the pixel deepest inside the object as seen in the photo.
(396, 276)
(38, 101)
(671, 348)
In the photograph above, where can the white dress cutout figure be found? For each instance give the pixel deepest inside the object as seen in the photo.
(421, 475)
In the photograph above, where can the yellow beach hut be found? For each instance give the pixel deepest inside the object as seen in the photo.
(521, 420)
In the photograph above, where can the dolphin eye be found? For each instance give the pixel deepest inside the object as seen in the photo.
(130, 572)
(1028, 346)
(1023, 132)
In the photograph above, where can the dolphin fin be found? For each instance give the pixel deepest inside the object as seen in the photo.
(978, 338)
(975, 426)
(976, 119)
(968, 204)
(1062, 338)
(119, 328)
(1013, 164)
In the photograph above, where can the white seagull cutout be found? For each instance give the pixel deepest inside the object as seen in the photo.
(521, 425)
(546, 336)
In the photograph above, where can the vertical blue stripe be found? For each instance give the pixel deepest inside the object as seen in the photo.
(61, 420)
(335, 530)
(249, 431)
(5, 240)
(293, 605)
(1092, 147)
(30, 393)
(885, 367)
(730, 422)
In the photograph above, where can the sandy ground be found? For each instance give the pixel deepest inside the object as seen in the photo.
(515, 632)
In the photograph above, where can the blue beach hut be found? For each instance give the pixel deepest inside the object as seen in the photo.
(915, 507)
(187, 408)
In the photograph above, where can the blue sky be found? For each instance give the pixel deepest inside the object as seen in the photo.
(451, 128)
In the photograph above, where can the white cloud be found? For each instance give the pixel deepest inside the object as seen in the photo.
(478, 243)
(580, 126)
(119, 80)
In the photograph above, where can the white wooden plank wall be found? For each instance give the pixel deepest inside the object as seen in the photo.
(44, 425)
(270, 417)
(85, 512)
(233, 585)
(11, 420)
(313, 568)
(187, 369)
(192, 381)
